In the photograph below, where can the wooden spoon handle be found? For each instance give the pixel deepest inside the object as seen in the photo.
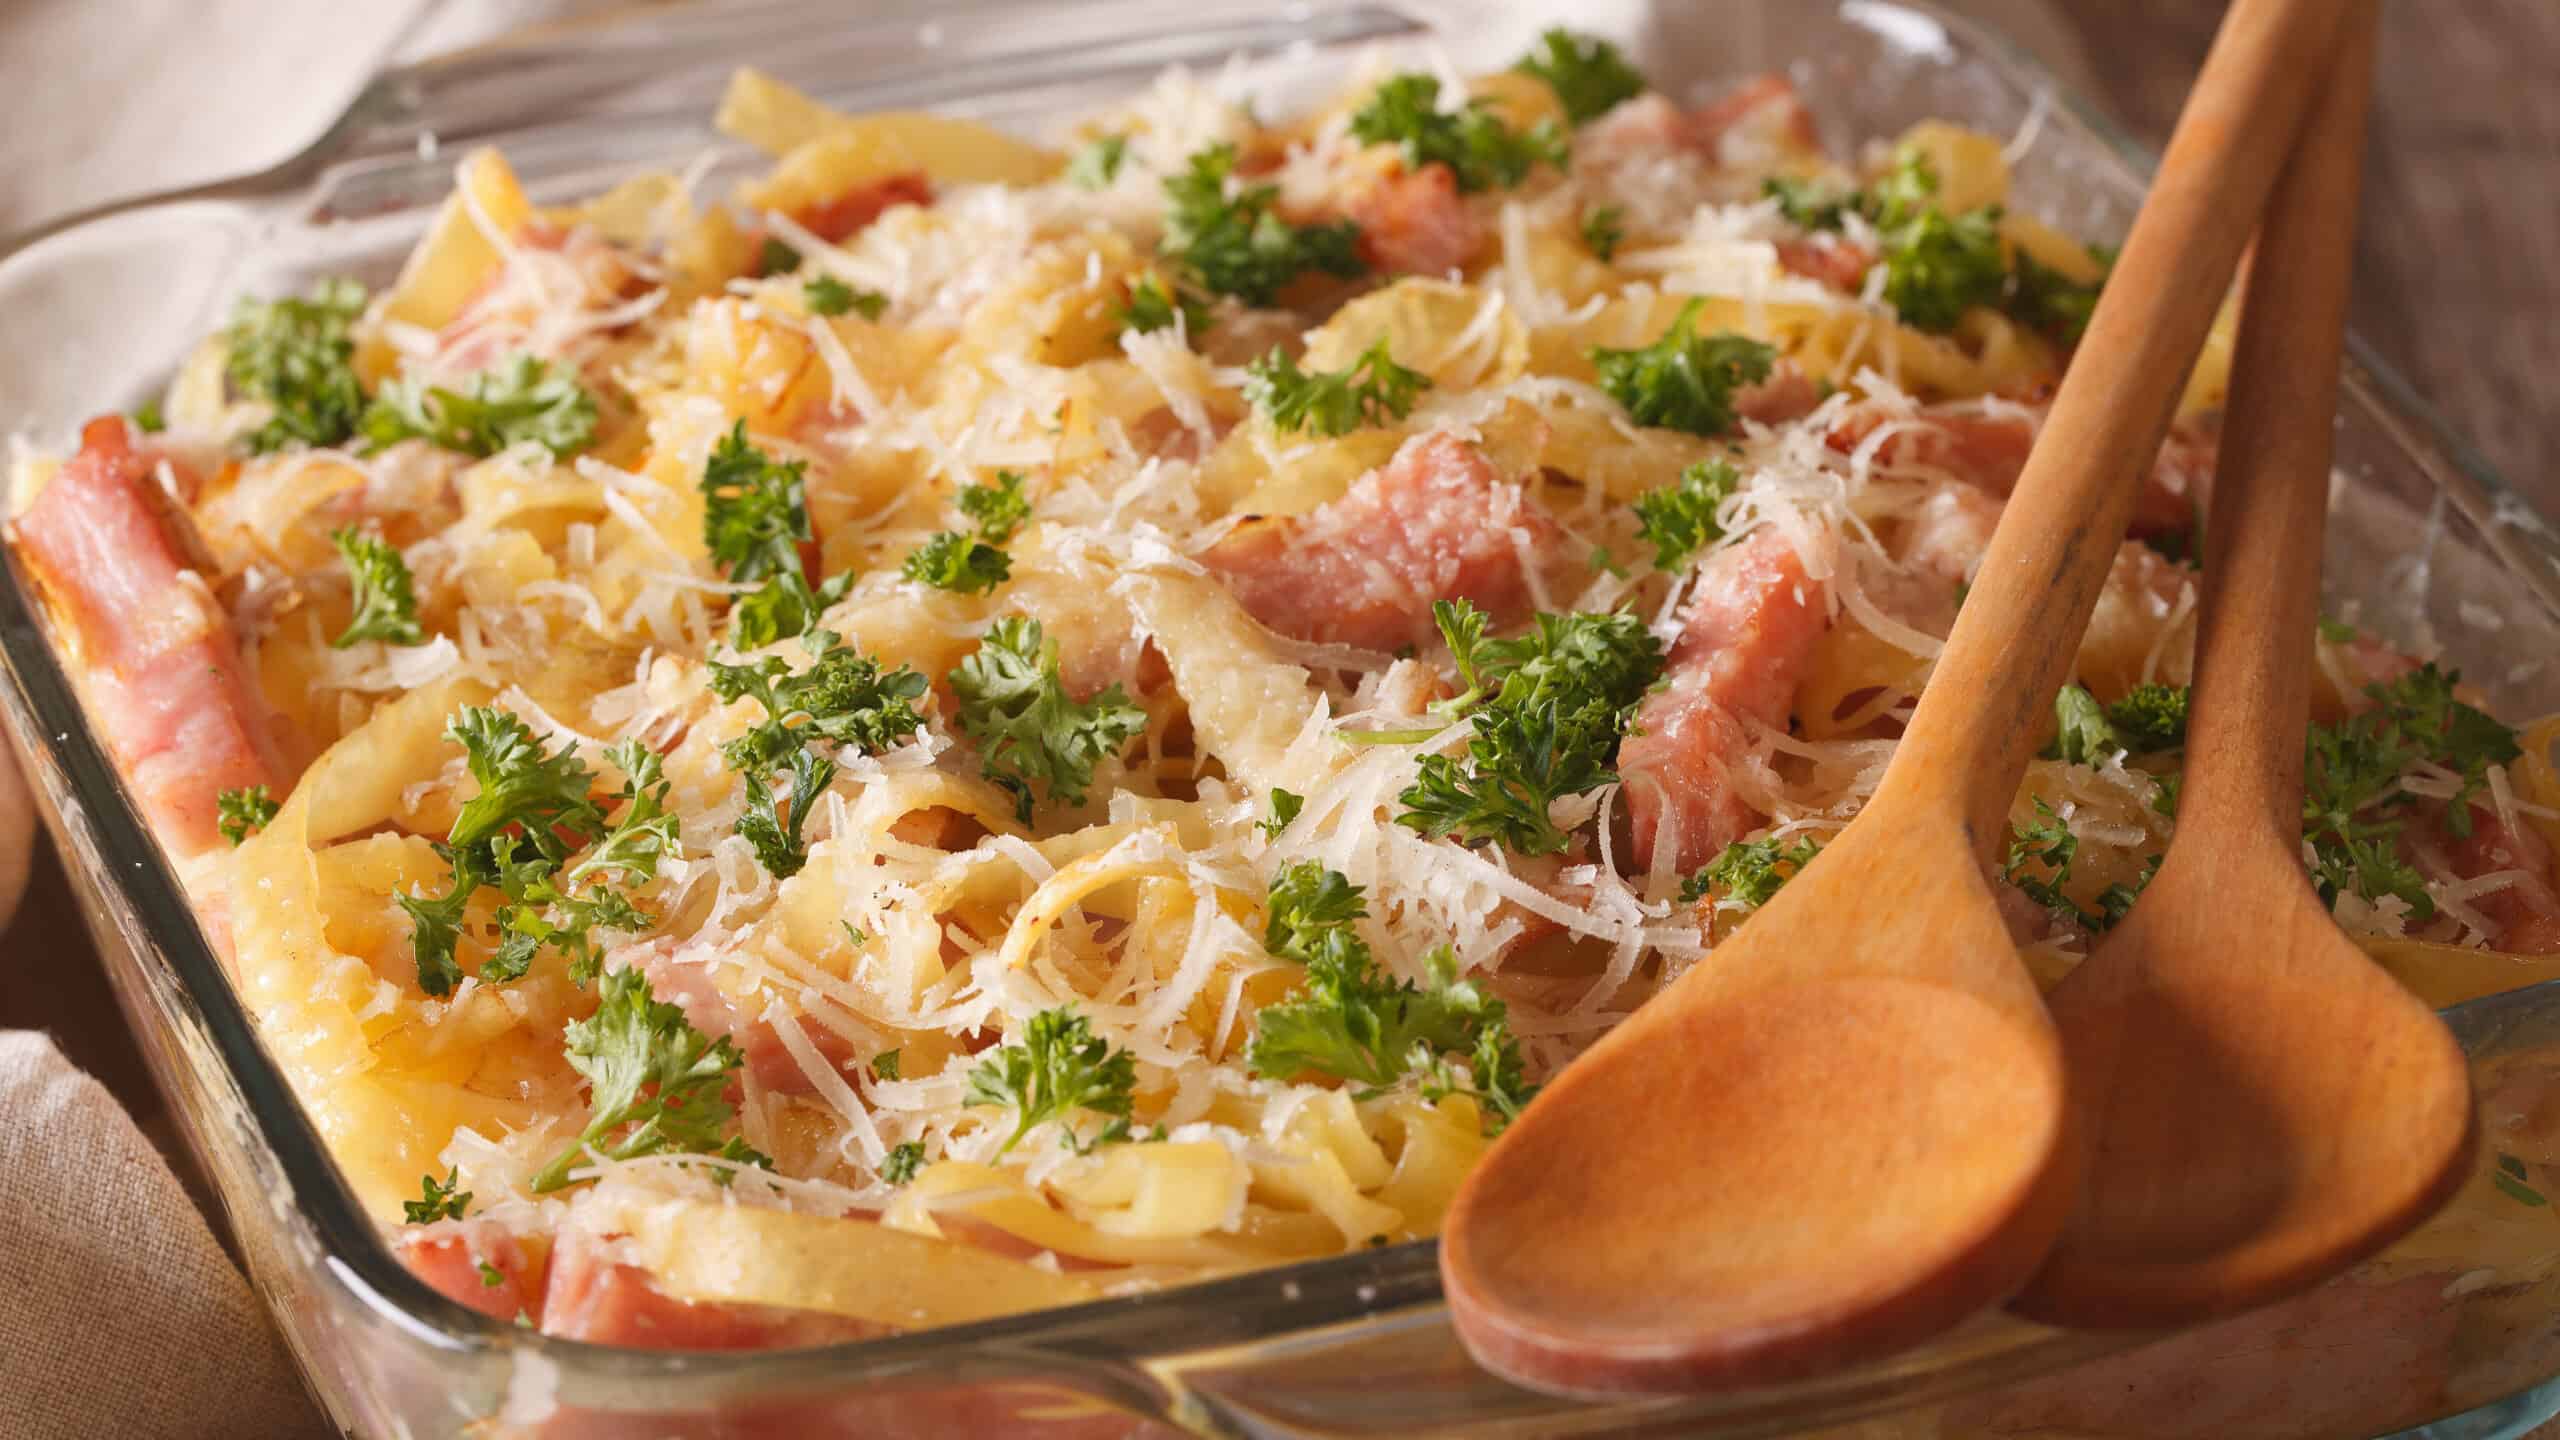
(2261, 595)
(1984, 710)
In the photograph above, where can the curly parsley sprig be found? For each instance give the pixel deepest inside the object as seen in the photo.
(1371, 390)
(386, 603)
(844, 698)
(2353, 805)
(755, 512)
(1549, 708)
(974, 563)
(1684, 380)
(1587, 73)
(1351, 1020)
(904, 1163)
(437, 1199)
(1481, 151)
(1748, 874)
(297, 357)
(828, 295)
(1237, 244)
(1604, 229)
(656, 1085)
(755, 518)
(1939, 264)
(521, 402)
(1028, 730)
(1155, 304)
(244, 812)
(2039, 861)
(2149, 720)
(1058, 1068)
(533, 812)
(1097, 164)
(1679, 519)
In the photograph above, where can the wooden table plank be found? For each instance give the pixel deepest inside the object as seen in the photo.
(2458, 252)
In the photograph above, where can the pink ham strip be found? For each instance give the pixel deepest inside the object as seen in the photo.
(1434, 523)
(1417, 223)
(1990, 450)
(689, 985)
(1750, 631)
(162, 670)
(2527, 912)
(449, 1254)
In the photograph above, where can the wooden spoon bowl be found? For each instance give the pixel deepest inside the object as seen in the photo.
(1845, 1224)
(2264, 1103)
(2267, 1104)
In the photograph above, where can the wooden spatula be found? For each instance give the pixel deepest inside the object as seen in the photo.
(1845, 1129)
(2263, 1104)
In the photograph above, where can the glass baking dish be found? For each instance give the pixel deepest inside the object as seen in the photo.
(2451, 1331)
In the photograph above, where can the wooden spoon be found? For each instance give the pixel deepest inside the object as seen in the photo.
(1845, 1130)
(2264, 1104)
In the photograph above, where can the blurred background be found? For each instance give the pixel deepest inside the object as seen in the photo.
(2458, 258)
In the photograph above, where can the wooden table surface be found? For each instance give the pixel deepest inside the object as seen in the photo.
(2458, 285)
(2458, 253)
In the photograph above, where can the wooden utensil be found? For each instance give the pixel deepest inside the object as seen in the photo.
(1845, 1129)
(2263, 1104)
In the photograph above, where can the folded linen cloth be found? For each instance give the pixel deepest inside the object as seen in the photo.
(119, 1314)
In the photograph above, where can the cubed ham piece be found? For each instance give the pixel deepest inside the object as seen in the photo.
(162, 669)
(476, 1263)
(1749, 633)
(1163, 435)
(577, 260)
(1434, 523)
(840, 217)
(1416, 223)
(1989, 449)
(1632, 129)
(1760, 118)
(1788, 394)
(687, 982)
(2525, 912)
(1828, 259)
(2371, 660)
(594, 1296)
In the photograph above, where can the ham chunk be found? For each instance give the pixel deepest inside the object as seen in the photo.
(1417, 223)
(1828, 259)
(163, 671)
(1989, 449)
(688, 982)
(450, 1255)
(1434, 523)
(1760, 120)
(1756, 123)
(1749, 634)
(1644, 126)
(1788, 394)
(840, 217)
(2524, 914)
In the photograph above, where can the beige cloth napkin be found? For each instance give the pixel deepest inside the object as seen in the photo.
(122, 1318)
(119, 1313)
